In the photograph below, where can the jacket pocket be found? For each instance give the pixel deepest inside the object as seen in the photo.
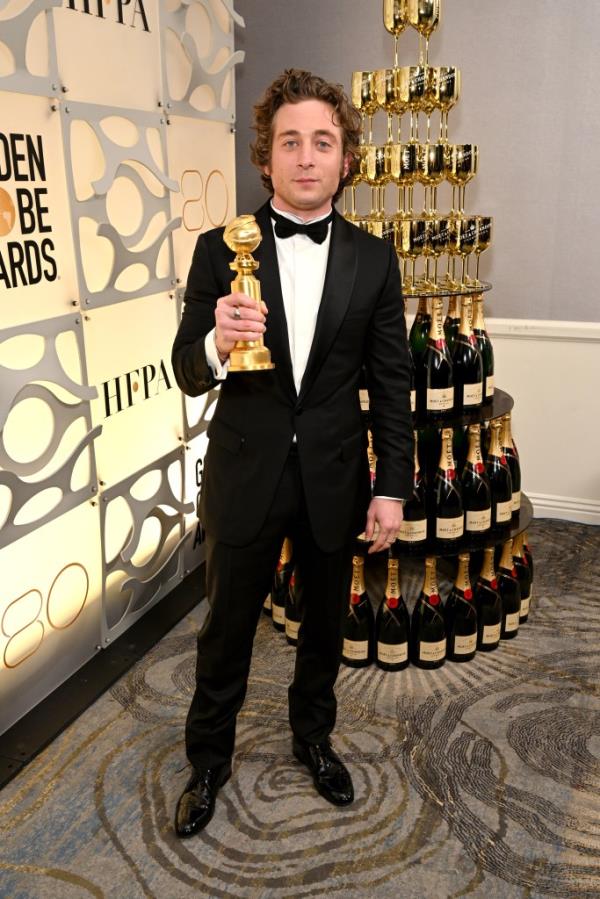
(352, 446)
(225, 436)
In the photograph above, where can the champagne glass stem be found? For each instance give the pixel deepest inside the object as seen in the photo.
(434, 200)
(399, 118)
(395, 51)
(425, 193)
(390, 136)
(414, 263)
(373, 212)
(453, 199)
(353, 200)
(426, 61)
(370, 128)
(477, 269)
(435, 272)
(398, 200)
(421, 56)
(461, 197)
(345, 202)
(410, 198)
(428, 127)
(463, 271)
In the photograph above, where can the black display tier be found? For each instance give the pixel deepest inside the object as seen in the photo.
(501, 404)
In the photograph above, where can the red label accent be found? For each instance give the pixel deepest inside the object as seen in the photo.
(434, 599)
(354, 599)
(440, 344)
(494, 584)
(479, 467)
(473, 340)
(450, 474)
(392, 602)
(503, 459)
(514, 572)
(468, 594)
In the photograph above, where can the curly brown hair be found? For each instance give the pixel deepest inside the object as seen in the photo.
(293, 86)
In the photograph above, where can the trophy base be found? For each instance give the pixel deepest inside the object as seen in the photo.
(250, 359)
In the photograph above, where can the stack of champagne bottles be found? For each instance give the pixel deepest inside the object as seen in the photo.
(477, 614)
(479, 611)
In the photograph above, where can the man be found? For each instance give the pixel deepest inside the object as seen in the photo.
(287, 448)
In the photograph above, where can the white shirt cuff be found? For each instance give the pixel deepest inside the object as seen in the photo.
(218, 368)
(397, 499)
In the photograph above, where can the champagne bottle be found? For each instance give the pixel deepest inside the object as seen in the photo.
(428, 627)
(359, 625)
(467, 363)
(447, 498)
(461, 615)
(476, 491)
(512, 457)
(528, 553)
(268, 606)
(392, 624)
(510, 592)
(280, 585)
(452, 322)
(488, 604)
(293, 609)
(435, 387)
(484, 345)
(413, 529)
(419, 331)
(524, 576)
(413, 382)
(498, 473)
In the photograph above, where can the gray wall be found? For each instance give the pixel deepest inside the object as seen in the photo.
(531, 78)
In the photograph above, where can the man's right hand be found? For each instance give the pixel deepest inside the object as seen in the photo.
(246, 324)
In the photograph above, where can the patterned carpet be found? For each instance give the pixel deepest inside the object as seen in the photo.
(480, 780)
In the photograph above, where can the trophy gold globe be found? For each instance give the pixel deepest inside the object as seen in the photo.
(242, 236)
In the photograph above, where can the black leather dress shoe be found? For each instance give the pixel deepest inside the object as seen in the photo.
(196, 804)
(330, 775)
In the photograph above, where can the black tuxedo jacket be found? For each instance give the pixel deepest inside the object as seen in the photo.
(360, 321)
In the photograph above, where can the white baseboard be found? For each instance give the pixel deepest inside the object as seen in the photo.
(566, 508)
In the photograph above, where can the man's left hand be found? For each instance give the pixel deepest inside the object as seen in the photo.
(385, 515)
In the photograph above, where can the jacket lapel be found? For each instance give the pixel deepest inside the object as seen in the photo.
(276, 335)
(339, 282)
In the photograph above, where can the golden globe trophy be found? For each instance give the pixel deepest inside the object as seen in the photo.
(242, 236)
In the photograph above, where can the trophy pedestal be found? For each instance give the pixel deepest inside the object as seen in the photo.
(251, 355)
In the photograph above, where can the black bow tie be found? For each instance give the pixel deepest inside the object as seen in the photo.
(285, 227)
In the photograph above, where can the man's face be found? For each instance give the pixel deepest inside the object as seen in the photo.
(307, 161)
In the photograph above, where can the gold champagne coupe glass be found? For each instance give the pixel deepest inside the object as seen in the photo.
(439, 237)
(359, 176)
(446, 89)
(429, 101)
(466, 243)
(432, 170)
(413, 90)
(387, 91)
(412, 237)
(461, 166)
(364, 97)
(378, 168)
(424, 16)
(405, 170)
(484, 239)
(395, 19)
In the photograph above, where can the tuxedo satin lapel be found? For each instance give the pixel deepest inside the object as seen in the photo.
(276, 335)
(339, 283)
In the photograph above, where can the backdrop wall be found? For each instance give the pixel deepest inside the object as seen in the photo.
(116, 150)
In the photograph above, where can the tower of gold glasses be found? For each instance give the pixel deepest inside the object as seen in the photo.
(415, 159)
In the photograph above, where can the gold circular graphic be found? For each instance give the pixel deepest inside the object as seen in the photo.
(217, 197)
(67, 595)
(7, 213)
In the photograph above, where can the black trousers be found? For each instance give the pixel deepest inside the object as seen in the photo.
(238, 580)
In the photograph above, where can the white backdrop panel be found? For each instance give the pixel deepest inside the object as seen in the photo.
(138, 404)
(202, 161)
(97, 55)
(37, 263)
(49, 609)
